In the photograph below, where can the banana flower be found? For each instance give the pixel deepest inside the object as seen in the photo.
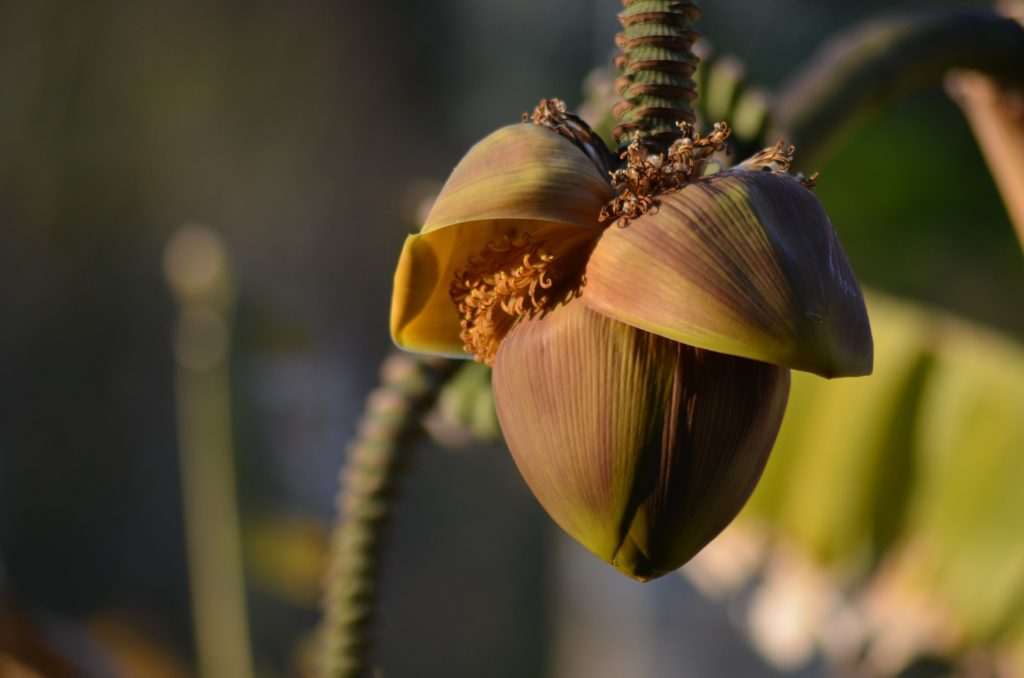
(641, 321)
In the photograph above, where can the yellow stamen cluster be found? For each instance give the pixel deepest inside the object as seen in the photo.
(648, 174)
(510, 279)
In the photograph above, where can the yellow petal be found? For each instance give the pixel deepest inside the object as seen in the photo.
(744, 263)
(523, 179)
(641, 448)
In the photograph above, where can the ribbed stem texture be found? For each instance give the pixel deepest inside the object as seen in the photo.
(657, 65)
(409, 385)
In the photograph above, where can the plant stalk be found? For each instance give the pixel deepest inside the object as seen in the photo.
(875, 64)
(997, 119)
(198, 271)
(376, 458)
(657, 66)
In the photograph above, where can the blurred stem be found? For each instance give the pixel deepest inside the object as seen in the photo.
(212, 524)
(198, 272)
(376, 457)
(881, 61)
(997, 119)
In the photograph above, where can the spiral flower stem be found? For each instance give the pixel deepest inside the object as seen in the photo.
(376, 458)
(657, 66)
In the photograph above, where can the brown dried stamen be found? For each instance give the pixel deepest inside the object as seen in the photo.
(511, 278)
(647, 175)
(549, 112)
(778, 159)
(689, 155)
(640, 181)
(553, 114)
(808, 182)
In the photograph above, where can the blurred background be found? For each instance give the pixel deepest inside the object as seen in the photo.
(306, 135)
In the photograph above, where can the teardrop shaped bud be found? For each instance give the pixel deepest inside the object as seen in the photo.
(741, 262)
(641, 448)
(522, 180)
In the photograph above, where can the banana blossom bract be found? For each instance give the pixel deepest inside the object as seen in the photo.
(641, 368)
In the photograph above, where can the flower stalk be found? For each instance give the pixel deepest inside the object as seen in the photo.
(657, 65)
(376, 457)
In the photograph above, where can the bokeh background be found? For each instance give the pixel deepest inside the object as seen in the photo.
(307, 134)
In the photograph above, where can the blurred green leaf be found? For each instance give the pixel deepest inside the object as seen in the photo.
(913, 475)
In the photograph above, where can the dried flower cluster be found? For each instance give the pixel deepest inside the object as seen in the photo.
(648, 174)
